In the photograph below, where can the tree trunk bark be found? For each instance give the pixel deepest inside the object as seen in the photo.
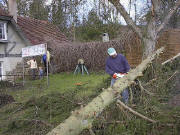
(149, 47)
(83, 118)
(150, 39)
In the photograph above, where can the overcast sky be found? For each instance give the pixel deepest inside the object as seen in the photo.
(125, 3)
(49, 1)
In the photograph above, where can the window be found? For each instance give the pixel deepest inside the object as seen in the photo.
(3, 32)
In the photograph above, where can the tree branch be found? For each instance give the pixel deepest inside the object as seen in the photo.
(126, 17)
(171, 59)
(171, 76)
(134, 112)
(142, 88)
(155, 7)
(167, 18)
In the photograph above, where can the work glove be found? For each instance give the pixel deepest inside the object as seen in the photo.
(115, 76)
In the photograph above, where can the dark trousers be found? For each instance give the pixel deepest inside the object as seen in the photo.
(45, 67)
(125, 93)
(33, 71)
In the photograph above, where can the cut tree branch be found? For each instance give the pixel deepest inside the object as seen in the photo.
(171, 59)
(83, 118)
(143, 89)
(126, 17)
(167, 18)
(171, 76)
(135, 113)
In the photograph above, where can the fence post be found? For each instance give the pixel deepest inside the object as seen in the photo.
(47, 70)
(23, 71)
(13, 80)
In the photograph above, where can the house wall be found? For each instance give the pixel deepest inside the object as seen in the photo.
(12, 49)
(2, 47)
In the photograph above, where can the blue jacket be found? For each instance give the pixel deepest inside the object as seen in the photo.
(44, 57)
(118, 64)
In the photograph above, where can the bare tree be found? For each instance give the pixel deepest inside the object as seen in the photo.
(154, 27)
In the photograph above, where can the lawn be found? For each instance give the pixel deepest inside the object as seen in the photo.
(60, 83)
(39, 108)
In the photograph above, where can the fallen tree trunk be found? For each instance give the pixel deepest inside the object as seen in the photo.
(83, 118)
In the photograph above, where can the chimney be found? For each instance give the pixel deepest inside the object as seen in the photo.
(12, 8)
(105, 37)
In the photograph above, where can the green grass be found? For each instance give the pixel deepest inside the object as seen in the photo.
(64, 82)
(49, 105)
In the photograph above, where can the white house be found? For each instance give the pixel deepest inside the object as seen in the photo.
(11, 42)
(18, 32)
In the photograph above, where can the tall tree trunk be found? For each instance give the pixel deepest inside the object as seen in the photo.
(150, 39)
(130, 8)
(135, 10)
(149, 47)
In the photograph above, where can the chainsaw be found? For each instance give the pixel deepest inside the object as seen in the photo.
(118, 75)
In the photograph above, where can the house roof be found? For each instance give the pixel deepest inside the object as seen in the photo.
(35, 31)
(38, 31)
